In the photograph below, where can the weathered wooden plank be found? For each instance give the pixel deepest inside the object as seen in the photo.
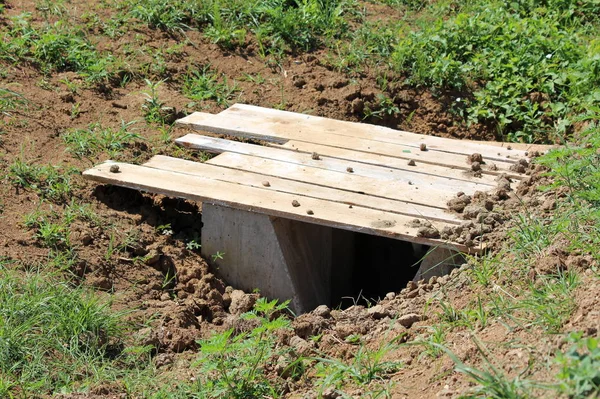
(452, 179)
(321, 125)
(272, 203)
(282, 130)
(395, 190)
(237, 176)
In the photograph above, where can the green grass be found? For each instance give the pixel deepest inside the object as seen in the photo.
(520, 69)
(48, 181)
(233, 365)
(97, 139)
(52, 335)
(204, 84)
(57, 47)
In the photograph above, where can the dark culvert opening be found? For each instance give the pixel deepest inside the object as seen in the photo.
(367, 267)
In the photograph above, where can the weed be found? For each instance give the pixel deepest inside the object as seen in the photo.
(232, 365)
(366, 366)
(491, 382)
(580, 368)
(11, 101)
(96, 139)
(218, 256)
(205, 85)
(153, 107)
(50, 332)
(48, 181)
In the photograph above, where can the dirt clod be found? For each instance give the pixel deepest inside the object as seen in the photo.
(349, 169)
(475, 166)
(315, 156)
(409, 319)
(475, 157)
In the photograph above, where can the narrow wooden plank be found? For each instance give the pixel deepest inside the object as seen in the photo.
(237, 176)
(281, 131)
(321, 125)
(449, 181)
(272, 203)
(487, 177)
(395, 190)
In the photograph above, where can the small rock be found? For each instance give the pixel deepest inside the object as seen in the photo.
(114, 168)
(423, 147)
(475, 157)
(87, 239)
(330, 393)
(390, 295)
(473, 210)
(412, 163)
(309, 212)
(153, 257)
(378, 312)
(266, 184)
(349, 170)
(241, 302)
(302, 346)
(409, 319)
(315, 156)
(475, 166)
(428, 232)
(322, 311)
(295, 204)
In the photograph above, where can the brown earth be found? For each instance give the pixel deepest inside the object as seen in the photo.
(172, 295)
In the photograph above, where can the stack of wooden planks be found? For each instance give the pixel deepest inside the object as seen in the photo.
(346, 175)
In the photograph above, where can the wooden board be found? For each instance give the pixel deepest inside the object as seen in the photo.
(395, 190)
(487, 177)
(264, 201)
(280, 126)
(451, 180)
(294, 187)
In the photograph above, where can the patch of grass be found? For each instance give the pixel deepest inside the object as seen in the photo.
(367, 365)
(52, 335)
(233, 366)
(204, 84)
(57, 47)
(277, 25)
(579, 376)
(521, 68)
(97, 139)
(48, 181)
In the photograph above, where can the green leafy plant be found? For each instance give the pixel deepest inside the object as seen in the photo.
(96, 139)
(579, 375)
(366, 366)
(205, 85)
(48, 181)
(233, 365)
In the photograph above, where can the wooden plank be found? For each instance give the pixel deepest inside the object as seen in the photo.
(293, 187)
(395, 190)
(281, 131)
(487, 177)
(449, 181)
(272, 203)
(320, 125)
